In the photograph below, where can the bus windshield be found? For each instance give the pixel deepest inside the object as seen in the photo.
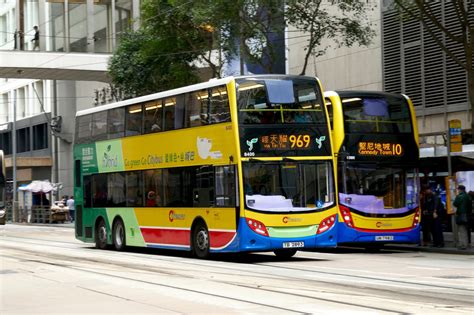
(379, 190)
(381, 114)
(279, 101)
(288, 186)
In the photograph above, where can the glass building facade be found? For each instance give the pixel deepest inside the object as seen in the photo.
(84, 26)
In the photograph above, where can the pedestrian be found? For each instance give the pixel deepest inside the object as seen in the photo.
(72, 208)
(431, 206)
(36, 39)
(463, 204)
(15, 40)
(470, 218)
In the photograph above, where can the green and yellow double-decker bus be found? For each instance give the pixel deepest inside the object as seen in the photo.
(230, 165)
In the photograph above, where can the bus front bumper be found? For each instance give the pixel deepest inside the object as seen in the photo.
(251, 241)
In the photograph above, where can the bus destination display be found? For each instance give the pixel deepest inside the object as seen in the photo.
(294, 142)
(379, 148)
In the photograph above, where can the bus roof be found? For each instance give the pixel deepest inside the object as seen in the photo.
(361, 93)
(209, 84)
(195, 87)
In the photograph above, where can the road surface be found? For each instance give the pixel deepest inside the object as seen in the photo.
(44, 269)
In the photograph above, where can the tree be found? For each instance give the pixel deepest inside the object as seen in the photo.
(463, 34)
(174, 34)
(160, 55)
(140, 66)
(346, 26)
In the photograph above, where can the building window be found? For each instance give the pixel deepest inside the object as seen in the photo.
(40, 137)
(6, 142)
(23, 140)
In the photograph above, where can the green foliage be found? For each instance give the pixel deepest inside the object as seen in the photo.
(344, 23)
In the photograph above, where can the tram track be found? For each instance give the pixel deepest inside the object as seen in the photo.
(276, 266)
(225, 271)
(214, 295)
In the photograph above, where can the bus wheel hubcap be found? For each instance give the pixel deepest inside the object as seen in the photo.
(119, 235)
(202, 240)
(102, 234)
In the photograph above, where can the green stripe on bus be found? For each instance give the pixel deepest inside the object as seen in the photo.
(133, 234)
(289, 232)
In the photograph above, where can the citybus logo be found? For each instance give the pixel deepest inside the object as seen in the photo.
(175, 216)
(381, 224)
(288, 219)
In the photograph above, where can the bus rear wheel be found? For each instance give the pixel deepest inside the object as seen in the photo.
(200, 241)
(101, 235)
(118, 235)
(285, 253)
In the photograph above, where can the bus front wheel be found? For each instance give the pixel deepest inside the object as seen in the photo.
(285, 253)
(118, 235)
(200, 241)
(101, 235)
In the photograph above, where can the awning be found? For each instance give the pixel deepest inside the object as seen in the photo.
(37, 186)
(440, 164)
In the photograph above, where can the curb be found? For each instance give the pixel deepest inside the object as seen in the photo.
(443, 250)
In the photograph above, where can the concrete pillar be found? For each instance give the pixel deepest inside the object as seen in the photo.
(90, 26)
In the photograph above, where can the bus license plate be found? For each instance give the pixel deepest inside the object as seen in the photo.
(293, 244)
(384, 238)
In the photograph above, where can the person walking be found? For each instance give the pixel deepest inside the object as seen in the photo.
(72, 208)
(36, 39)
(426, 215)
(431, 218)
(463, 204)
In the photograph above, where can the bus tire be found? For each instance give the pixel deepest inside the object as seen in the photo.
(101, 235)
(118, 235)
(285, 253)
(373, 248)
(200, 240)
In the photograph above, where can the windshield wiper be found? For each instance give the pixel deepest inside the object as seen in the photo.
(255, 160)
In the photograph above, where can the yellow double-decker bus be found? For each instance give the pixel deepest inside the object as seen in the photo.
(230, 165)
(375, 140)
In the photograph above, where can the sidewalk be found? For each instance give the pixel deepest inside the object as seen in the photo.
(448, 248)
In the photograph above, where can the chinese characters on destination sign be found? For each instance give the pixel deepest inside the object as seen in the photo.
(284, 141)
(380, 148)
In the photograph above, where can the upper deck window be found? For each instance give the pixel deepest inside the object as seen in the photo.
(133, 123)
(274, 101)
(116, 123)
(153, 116)
(376, 115)
(83, 128)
